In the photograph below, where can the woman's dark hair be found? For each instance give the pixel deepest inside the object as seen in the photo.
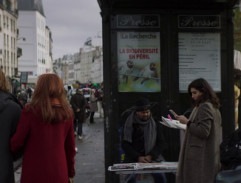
(207, 92)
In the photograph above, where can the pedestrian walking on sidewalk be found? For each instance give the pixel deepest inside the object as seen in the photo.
(78, 104)
(99, 102)
(45, 131)
(93, 105)
(10, 110)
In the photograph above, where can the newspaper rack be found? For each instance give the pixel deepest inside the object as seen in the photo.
(128, 168)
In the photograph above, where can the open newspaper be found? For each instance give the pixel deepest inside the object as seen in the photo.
(171, 123)
(143, 166)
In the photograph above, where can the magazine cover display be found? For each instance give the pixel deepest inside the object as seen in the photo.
(139, 61)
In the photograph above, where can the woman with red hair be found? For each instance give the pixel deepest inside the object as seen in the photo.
(45, 131)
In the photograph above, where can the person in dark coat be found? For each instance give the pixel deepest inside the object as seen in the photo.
(142, 139)
(29, 92)
(78, 103)
(10, 110)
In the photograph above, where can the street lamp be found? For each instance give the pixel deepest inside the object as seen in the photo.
(19, 50)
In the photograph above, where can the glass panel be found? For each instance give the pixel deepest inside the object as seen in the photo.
(199, 57)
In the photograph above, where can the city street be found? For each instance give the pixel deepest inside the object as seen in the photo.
(89, 162)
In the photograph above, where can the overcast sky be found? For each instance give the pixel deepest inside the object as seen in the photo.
(71, 23)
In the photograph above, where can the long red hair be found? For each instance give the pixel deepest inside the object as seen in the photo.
(50, 88)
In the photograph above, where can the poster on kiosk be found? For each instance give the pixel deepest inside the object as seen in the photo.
(138, 61)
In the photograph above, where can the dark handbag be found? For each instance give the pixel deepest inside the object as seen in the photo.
(230, 151)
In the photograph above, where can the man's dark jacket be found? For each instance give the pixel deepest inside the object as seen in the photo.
(78, 101)
(136, 148)
(10, 112)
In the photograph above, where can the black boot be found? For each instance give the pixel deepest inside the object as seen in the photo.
(92, 117)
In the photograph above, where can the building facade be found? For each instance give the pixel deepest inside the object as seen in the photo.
(49, 50)
(68, 62)
(91, 61)
(36, 56)
(8, 37)
(85, 66)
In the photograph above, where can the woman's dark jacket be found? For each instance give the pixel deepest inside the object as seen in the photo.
(10, 111)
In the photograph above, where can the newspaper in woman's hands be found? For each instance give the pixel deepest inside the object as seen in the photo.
(173, 123)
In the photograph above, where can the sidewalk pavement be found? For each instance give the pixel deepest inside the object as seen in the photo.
(89, 160)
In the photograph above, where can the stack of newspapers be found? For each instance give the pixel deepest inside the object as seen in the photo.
(123, 166)
(171, 123)
(144, 166)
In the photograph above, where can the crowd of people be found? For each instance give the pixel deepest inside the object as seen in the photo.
(43, 132)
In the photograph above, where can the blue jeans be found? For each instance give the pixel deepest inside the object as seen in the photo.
(158, 178)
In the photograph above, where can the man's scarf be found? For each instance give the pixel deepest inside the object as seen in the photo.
(149, 131)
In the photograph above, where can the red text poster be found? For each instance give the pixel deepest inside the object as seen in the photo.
(138, 61)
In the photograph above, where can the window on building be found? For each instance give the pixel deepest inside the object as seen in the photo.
(4, 22)
(8, 5)
(4, 39)
(0, 23)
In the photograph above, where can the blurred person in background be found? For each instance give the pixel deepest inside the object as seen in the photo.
(78, 104)
(10, 110)
(93, 105)
(45, 130)
(99, 102)
(237, 76)
(23, 97)
(29, 92)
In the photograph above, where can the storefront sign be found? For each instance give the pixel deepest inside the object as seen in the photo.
(138, 21)
(199, 21)
(24, 77)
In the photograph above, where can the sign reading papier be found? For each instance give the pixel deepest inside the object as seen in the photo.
(138, 61)
(199, 57)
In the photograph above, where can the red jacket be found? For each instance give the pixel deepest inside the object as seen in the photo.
(49, 149)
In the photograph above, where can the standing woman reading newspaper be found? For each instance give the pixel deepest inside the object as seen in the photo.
(199, 159)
